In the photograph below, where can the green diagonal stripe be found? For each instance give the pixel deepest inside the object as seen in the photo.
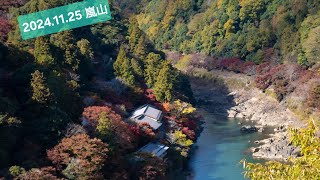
(64, 18)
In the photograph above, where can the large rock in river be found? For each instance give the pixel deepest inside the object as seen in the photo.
(248, 129)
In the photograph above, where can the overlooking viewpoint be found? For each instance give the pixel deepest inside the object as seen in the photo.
(159, 89)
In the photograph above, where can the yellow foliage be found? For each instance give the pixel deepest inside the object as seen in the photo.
(184, 4)
(219, 3)
(183, 108)
(229, 26)
(143, 19)
(181, 139)
(153, 31)
(305, 167)
(184, 62)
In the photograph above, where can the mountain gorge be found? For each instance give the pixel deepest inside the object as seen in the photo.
(66, 98)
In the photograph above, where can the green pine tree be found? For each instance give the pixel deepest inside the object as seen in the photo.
(71, 58)
(135, 34)
(117, 65)
(40, 90)
(152, 68)
(140, 49)
(42, 52)
(163, 88)
(122, 67)
(85, 49)
(66, 41)
(104, 126)
(128, 74)
(137, 68)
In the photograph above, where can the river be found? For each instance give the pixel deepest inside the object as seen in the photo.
(220, 147)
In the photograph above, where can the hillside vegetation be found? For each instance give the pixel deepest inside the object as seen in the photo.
(276, 41)
(65, 97)
(249, 29)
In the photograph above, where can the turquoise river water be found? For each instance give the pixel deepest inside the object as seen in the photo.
(220, 147)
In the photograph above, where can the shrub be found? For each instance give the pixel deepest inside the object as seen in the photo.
(282, 88)
(135, 130)
(249, 68)
(314, 96)
(181, 139)
(265, 80)
(181, 109)
(263, 68)
(190, 133)
(147, 130)
(204, 74)
(232, 64)
(184, 62)
(16, 171)
(149, 95)
(48, 173)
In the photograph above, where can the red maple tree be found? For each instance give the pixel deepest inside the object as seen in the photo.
(81, 155)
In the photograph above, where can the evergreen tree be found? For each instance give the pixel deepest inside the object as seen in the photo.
(128, 74)
(122, 67)
(71, 58)
(137, 68)
(40, 90)
(135, 34)
(152, 68)
(104, 126)
(117, 65)
(42, 52)
(67, 43)
(163, 88)
(141, 49)
(85, 49)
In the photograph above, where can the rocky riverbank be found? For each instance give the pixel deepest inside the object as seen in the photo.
(236, 97)
(277, 147)
(253, 105)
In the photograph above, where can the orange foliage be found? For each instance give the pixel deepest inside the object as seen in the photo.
(124, 139)
(147, 129)
(89, 155)
(166, 107)
(92, 113)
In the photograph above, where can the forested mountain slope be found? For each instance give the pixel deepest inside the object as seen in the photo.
(280, 37)
(230, 28)
(275, 40)
(65, 99)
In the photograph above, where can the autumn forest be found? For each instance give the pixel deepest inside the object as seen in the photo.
(67, 99)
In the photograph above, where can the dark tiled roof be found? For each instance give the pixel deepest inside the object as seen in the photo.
(156, 149)
(148, 114)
